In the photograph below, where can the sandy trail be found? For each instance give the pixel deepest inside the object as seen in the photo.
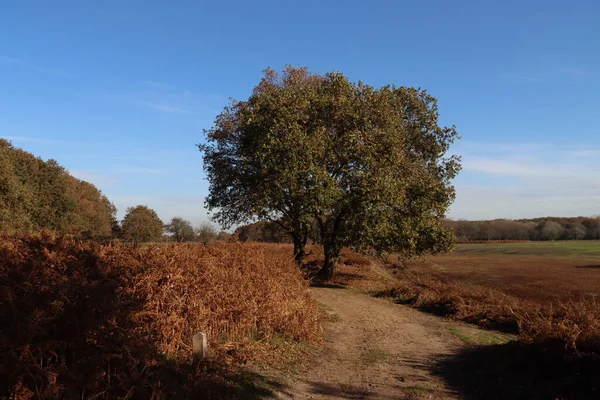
(374, 349)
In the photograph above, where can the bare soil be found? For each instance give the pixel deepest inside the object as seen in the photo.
(376, 349)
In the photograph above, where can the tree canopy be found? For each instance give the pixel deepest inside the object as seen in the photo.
(206, 232)
(37, 194)
(181, 229)
(368, 165)
(141, 224)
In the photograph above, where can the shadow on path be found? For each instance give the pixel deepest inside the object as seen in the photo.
(519, 371)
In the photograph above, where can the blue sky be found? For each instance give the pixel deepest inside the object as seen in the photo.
(120, 91)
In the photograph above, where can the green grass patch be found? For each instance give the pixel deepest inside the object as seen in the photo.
(375, 356)
(476, 338)
(420, 390)
(329, 313)
(564, 248)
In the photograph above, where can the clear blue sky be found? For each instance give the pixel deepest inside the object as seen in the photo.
(120, 91)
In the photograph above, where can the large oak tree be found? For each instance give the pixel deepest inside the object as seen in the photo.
(369, 165)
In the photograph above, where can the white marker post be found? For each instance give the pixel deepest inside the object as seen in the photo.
(199, 347)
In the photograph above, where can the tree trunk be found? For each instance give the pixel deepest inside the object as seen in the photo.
(332, 255)
(299, 244)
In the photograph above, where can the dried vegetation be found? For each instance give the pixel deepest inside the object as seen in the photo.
(84, 320)
(571, 322)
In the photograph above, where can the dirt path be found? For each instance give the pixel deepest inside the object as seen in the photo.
(375, 349)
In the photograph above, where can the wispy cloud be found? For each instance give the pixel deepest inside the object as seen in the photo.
(579, 72)
(134, 169)
(99, 179)
(29, 139)
(516, 181)
(490, 202)
(22, 139)
(31, 66)
(502, 167)
(566, 73)
(168, 98)
(168, 108)
(160, 85)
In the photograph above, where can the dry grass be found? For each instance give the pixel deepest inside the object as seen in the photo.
(573, 322)
(82, 320)
(544, 293)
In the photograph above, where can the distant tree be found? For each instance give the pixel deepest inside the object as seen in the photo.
(547, 228)
(181, 229)
(369, 165)
(576, 231)
(141, 224)
(206, 232)
(550, 230)
(592, 226)
(223, 236)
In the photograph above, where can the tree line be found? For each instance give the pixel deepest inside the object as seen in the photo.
(37, 194)
(537, 229)
(547, 228)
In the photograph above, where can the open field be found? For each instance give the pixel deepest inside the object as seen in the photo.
(564, 248)
(531, 270)
(543, 291)
(112, 321)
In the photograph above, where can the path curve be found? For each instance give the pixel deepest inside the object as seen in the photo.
(374, 349)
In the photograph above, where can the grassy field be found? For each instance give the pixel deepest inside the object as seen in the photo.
(566, 248)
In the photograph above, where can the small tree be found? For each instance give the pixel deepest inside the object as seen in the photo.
(223, 236)
(206, 232)
(367, 164)
(181, 229)
(141, 224)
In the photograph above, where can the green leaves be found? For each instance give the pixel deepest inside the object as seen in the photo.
(369, 164)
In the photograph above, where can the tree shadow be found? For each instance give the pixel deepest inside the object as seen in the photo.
(520, 371)
(327, 285)
(341, 391)
(592, 266)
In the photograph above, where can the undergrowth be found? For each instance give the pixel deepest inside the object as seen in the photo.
(84, 320)
(573, 323)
